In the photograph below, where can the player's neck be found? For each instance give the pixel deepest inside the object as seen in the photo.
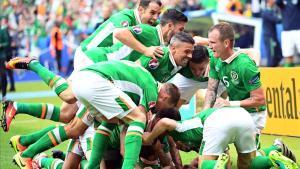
(227, 53)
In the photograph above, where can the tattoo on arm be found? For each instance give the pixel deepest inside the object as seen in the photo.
(211, 93)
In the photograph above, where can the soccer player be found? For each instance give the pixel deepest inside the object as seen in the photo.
(132, 39)
(107, 82)
(172, 21)
(176, 56)
(147, 12)
(238, 73)
(211, 134)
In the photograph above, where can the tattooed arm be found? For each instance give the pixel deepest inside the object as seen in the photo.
(211, 93)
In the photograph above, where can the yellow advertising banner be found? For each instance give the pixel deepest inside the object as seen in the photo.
(282, 92)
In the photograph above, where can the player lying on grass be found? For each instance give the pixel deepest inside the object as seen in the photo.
(172, 21)
(112, 76)
(211, 134)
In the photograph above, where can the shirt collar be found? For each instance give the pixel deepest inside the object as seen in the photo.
(160, 35)
(137, 16)
(233, 56)
(176, 68)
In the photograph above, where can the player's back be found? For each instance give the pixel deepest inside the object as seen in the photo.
(124, 71)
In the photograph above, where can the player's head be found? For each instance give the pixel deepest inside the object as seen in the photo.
(181, 48)
(168, 96)
(221, 38)
(171, 113)
(173, 21)
(149, 11)
(199, 61)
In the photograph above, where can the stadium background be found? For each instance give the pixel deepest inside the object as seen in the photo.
(37, 40)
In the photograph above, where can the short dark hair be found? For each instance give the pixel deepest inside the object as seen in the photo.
(200, 54)
(145, 3)
(182, 37)
(173, 91)
(174, 16)
(170, 113)
(225, 29)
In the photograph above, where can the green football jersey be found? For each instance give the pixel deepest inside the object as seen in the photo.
(186, 71)
(103, 35)
(130, 78)
(162, 68)
(146, 34)
(193, 129)
(240, 76)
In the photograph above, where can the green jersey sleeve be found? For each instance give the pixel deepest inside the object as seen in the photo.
(149, 98)
(144, 32)
(212, 70)
(160, 68)
(251, 76)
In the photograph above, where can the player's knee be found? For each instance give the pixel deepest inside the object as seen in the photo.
(66, 114)
(68, 96)
(140, 117)
(75, 128)
(65, 117)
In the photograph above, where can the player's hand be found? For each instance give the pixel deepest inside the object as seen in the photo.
(200, 41)
(154, 51)
(221, 103)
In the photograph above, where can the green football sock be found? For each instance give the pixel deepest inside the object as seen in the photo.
(133, 143)
(261, 162)
(31, 138)
(100, 143)
(208, 164)
(57, 83)
(51, 163)
(51, 139)
(266, 151)
(39, 110)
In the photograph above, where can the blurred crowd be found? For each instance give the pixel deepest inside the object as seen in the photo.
(38, 27)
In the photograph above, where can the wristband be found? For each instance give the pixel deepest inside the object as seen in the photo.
(235, 103)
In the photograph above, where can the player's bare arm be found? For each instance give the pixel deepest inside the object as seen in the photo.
(211, 93)
(125, 36)
(162, 126)
(174, 153)
(164, 157)
(201, 41)
(255, 100)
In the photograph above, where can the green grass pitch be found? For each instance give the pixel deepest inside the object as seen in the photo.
(25, 124)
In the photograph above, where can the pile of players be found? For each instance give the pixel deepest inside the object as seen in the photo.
(120, 104)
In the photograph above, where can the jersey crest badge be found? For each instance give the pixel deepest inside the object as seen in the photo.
(153, 64)
(125, 23)
(137, 29)
(234, 75)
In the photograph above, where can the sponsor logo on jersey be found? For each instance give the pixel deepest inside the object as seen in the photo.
(153, 64)
(234, 75)
(125, 23)
(254, 79)
(137, 29)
